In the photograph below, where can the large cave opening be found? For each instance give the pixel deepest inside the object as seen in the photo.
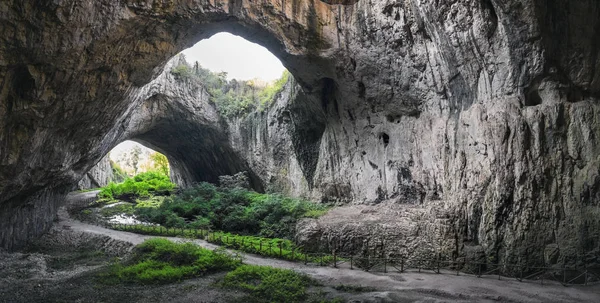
(131, 158)
(126, 160)
(193, 110)
(493, 183)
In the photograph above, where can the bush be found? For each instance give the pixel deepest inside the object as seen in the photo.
(141, 185)
(162, 261)
(182, 72)
(232, 210)
(268, 284)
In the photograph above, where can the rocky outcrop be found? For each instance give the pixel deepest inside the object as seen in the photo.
(176, 117)
(99, 176)
(482, 113)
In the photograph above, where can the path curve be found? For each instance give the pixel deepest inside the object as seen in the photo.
(411, 286)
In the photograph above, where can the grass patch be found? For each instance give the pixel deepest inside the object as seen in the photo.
(273, 248)
(142, 185)
(267, 284)
(159, 261)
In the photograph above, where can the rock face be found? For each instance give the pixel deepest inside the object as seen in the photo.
(99, 176)
(481, 116)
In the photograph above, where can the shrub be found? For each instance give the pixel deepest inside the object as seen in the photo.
(142, 185)
(182, 72)
(231, 210)
(268, 284)
(162, 261)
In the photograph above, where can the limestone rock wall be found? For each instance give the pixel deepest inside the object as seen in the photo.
(480, 112)
(99, 176)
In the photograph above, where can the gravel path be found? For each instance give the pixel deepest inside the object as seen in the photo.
(405, 287)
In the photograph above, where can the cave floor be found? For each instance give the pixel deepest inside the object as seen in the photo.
(62, 266)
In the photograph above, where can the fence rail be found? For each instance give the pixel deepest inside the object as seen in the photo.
(278, 249)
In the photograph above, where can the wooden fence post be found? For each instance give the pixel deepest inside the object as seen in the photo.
(334, 259)
(402, 264)
(385, 264)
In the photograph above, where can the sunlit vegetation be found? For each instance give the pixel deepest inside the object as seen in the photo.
(232, 97)
(160, 163)
(237, 210)
(142, 185)
(268, 247)
(119, 175)
(161, 261)
(268, 284)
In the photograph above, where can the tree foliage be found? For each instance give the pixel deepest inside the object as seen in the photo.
(161, 163)
(233, 98)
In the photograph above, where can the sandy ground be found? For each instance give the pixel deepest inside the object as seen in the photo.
(391, 287)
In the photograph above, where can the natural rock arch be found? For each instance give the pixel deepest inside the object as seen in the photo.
(448, 81)
(107, 52)
(178, 119)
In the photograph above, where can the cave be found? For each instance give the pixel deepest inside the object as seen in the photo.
(500, 159)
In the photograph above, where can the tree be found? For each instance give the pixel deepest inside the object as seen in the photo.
(161, 163)
(136, 151)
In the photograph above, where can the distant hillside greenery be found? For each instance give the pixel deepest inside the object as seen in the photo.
(233, 98)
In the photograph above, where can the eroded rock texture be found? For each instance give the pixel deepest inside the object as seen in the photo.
(99, 176)
(481, 115)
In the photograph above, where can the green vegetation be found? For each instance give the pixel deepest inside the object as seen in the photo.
(205, 206)
(119, 175)
(182, 71)
(267, 284)
(273, 248)
(161, 163)
(159, 261)
(141, 185)
(233, 98)
(162, 261)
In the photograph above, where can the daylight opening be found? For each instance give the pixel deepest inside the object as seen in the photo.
(240, 76)
(130, 158)
(236, 57)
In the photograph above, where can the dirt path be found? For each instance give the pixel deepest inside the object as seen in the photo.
(396, 287)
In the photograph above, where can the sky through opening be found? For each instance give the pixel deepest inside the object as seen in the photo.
(240, 58)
